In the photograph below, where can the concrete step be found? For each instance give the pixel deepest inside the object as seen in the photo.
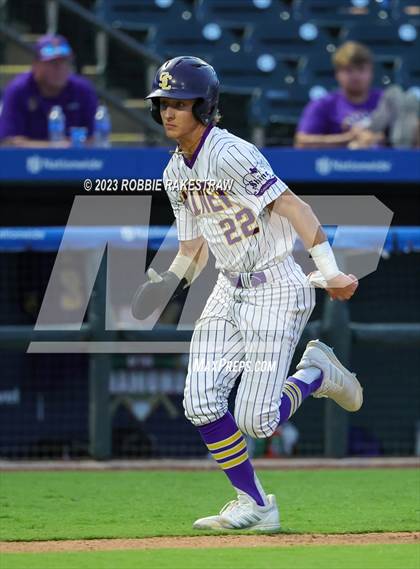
(30, 38)
(128, 139)
(13, 54)
(137, 104)
(121, 123)
(8, 72)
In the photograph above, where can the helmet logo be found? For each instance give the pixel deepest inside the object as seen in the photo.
(164, 79)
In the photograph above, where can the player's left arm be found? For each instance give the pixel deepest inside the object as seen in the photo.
(306, 224)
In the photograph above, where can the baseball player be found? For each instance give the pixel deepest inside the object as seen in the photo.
(227, 199)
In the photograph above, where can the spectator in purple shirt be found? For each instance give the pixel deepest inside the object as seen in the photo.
(340, 118)
(29, 97)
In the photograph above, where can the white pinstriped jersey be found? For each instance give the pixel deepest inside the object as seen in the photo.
(235, 222)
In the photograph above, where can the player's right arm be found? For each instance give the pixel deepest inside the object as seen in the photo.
(190, 260)
(306, 224)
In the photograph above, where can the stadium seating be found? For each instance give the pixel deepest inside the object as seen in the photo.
(407, 10)
(343, 11)
(189, 38)
(281, 46)
(242, 72)
(389, 70)
(384, 38)
(243, 12)
(288, 38)
(411, 75)
(279, 106)
(140, 15)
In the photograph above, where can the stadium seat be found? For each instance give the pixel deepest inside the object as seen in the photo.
(281, 106)
(342, 11)
(242, 72)
(237, 13)
(287, 38)
(385, 39)
(410, 72)
(186, 38)
(316, 70)
(388, 70)
(407, 10)
(135, 15)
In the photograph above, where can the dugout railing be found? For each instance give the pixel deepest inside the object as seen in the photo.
(333, 325)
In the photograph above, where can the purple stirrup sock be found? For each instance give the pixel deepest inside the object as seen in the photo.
(227, 445)
(294, 392)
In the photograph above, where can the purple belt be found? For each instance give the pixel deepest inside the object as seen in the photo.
(245, 280)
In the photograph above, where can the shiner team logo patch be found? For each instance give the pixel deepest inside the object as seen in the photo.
(258, 180)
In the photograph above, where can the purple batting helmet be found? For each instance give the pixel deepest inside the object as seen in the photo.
(187, 77)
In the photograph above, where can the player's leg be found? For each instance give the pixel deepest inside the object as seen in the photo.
(281, 312)
(215, 346)
(296, 389)
(266, 400)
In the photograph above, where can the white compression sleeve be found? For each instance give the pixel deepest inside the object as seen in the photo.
(324, 260)
(185, 267)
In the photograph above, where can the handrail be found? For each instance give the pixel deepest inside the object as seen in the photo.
(11, 35)
(122, 38)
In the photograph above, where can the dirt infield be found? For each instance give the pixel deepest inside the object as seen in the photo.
(275, 540)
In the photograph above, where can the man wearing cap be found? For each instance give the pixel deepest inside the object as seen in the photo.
(29, 97)
(341, 118)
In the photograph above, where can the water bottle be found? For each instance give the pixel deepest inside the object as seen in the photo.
(56, 126)
(102, 127)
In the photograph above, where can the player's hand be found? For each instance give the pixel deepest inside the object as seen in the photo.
(156, 292)
(342, 287)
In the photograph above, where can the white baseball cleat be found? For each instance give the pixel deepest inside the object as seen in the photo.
(338, 383)
(244, 513)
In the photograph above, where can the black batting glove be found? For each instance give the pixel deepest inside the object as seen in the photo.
(157, 291)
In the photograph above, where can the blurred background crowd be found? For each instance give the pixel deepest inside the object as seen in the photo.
(316, 74)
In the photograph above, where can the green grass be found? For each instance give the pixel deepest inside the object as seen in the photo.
(348, 557)
(77, 505)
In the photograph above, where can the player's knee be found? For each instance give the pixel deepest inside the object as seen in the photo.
(200, 414)
(200, 419)
(192, 412)
(256, 426)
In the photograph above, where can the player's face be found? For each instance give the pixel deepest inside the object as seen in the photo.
(177, 117)
(355, 79)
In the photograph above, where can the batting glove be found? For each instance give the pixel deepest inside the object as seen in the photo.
(157, 291)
